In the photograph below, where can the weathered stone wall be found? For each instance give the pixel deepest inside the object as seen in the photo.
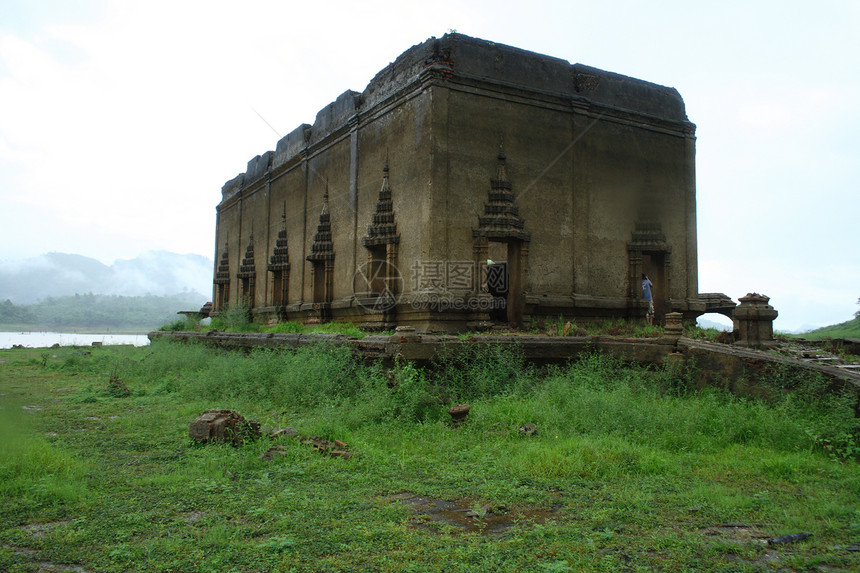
(591, 157)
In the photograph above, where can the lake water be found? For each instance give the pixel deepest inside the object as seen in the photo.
(47, 339)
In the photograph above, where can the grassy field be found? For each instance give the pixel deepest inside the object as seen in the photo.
(627, 471)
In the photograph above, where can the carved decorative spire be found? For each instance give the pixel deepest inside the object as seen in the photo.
(280, 259)
(649, 232)
(222, 275)
(501, 176)
(323, 248)
(247, 268)
(383, 230)
(501, 218)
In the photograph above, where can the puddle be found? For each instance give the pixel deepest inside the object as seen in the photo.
(738, 533)
(468, 517)
(42, 529)
(46, 567)
(43, 566)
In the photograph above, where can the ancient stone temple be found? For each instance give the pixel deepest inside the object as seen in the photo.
(470, 184)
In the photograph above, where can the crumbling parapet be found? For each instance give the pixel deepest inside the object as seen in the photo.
(753, 321)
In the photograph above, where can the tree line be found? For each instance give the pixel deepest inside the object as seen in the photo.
(99, 310)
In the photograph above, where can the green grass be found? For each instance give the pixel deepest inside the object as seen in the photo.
(629, 469)
(237, 318)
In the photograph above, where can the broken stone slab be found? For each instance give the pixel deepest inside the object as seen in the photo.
(404, 334)
(270, 454)
(219, 425)
(334, 449)
(791, 538)
(288, 432)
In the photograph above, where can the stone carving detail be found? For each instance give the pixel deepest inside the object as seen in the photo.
(501, 218)
(754, 321)
(322, 261)
(323, 248)
(280, 259)
(585, 82)
(649, 233)
(279, 265)
(247, 269)
(222, 275)
(383, 230)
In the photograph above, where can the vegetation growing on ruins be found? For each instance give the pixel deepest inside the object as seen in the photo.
(237, 318)
(627, 467)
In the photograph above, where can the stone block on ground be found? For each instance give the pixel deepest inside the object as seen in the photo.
(223, 426)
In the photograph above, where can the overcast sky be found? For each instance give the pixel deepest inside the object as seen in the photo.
(120, 121)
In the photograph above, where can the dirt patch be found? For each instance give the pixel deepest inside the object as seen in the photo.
(42, 529)
(467, 516)
(47, 567)
(751, 536)
(195, 516)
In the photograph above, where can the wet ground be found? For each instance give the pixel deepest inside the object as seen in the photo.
(464, 515)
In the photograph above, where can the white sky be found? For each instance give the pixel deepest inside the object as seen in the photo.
(120, 121)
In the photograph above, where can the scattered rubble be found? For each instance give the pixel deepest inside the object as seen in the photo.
(334, 449)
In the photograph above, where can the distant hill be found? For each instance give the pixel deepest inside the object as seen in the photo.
(98, 312)
(705, 323)
(158, 273)
(849, 329)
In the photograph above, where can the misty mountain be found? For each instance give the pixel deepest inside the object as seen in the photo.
(705, 323)
(158, 273)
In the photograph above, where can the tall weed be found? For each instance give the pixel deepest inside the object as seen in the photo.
(477, 371)
(235, 318)
(306, 377)
(597, 395)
